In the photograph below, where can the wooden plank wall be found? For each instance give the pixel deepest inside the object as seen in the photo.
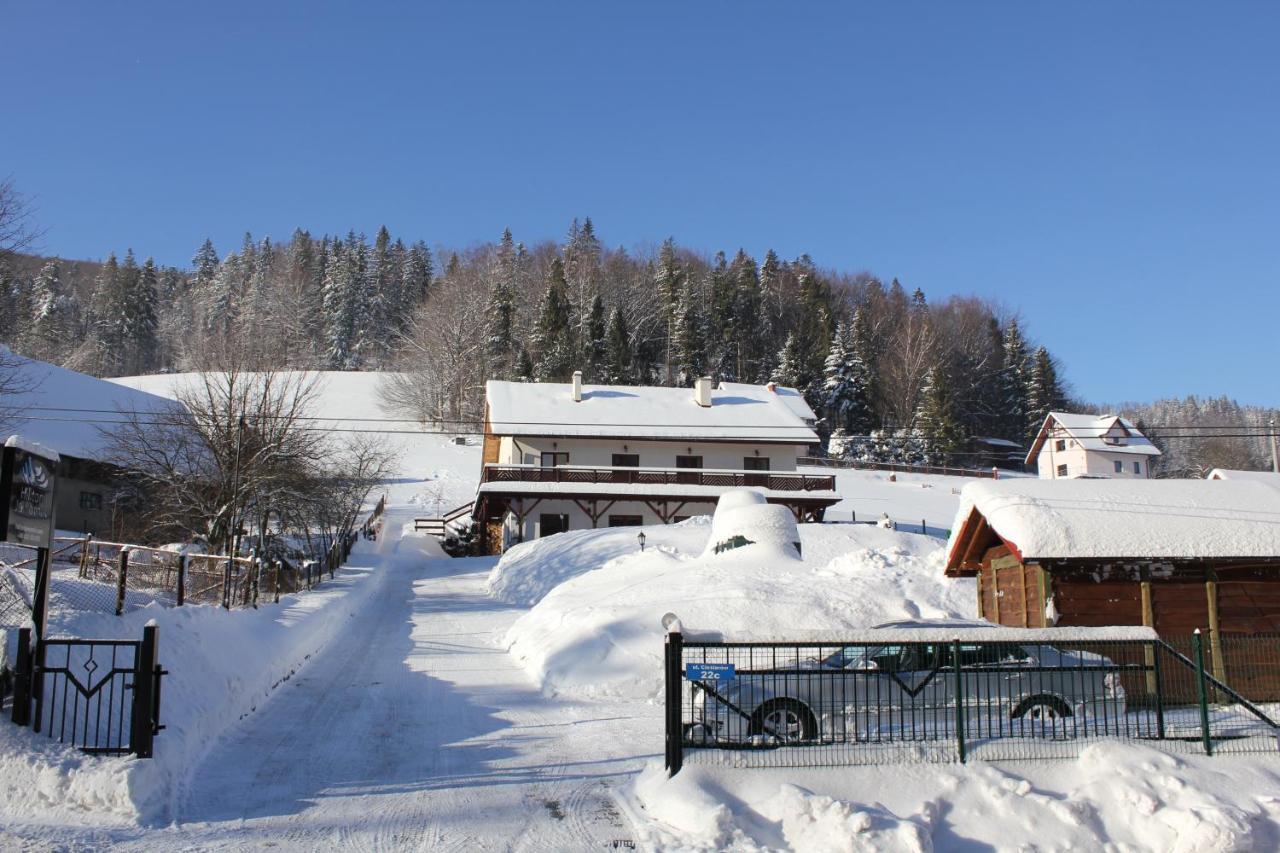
(1089, 603)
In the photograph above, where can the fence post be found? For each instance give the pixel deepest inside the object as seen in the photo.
(142, 728)
(182, 579)
(277, 596)
(257, 573)
(121, 579)
(1159, 685)
(924, 529)
(22, 679)
(226, 583)
(84, 555)
(675, 735)
(1201, 693)
(959, 691)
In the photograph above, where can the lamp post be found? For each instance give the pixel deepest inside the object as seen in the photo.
(641, 538)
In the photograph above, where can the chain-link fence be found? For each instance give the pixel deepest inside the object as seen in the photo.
(860, 702)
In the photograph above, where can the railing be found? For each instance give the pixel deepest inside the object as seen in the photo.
(440, 526)
(782, 482)
(860, 702)
(827, 462)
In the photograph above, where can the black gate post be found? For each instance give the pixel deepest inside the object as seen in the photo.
(675, 733)
(182, 579)
(142, 728)
(121, 580)
(22, 679)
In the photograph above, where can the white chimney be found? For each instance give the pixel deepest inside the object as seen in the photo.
(577, 386)
(702, 391)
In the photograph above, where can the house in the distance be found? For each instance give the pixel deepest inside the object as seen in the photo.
(567, 456)
(1270, 478)
(1070, 446)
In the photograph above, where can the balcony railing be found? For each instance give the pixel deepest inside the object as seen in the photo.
(781, 482)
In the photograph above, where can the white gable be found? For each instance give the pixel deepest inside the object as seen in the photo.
(738, 412)
(1106, 433)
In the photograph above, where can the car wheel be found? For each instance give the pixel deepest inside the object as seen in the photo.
(1045, 711)
(785, 719)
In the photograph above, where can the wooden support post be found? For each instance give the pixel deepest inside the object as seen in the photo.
(995, 592)
(1042, 580)
(1148, 650)
(1215, 638)
(981, 606)
(121, 577)
(1022, 591)
(182, 579)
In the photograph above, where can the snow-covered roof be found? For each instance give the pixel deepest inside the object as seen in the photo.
(738, 412)
(1091, 433)
(791, 396)
(1269, 477)
(47, 391)
(1119, 519)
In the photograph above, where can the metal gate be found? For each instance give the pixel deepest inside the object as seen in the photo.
(102, 696)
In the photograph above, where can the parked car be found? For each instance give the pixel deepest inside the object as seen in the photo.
(907, 689)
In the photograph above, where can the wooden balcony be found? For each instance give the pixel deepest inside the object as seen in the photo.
(790, 481)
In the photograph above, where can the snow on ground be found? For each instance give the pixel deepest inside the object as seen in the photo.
(1115, 796)
(908, 499)
(599, 632)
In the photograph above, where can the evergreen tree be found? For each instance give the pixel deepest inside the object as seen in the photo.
(1013, 383)
(863, 358)
(342, 277)
(668, 279)
(140, 321)
(524, 366)
(749, 329)
(596, 346)
(690, 355)
(52, 327)
(1044, 394)
(846, 405)
(501, 311)
(936, 427)
(205, 265)
(553, 338)
(789, 371)
(620, 352)
(382, 300)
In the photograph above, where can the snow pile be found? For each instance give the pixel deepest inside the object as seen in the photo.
(744, 513)
(222, 665)
(530, 570)
(1115, 796)
(600, 633)
(1048, 519)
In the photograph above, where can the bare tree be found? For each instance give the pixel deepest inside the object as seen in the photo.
(17, 232)
(13, 382)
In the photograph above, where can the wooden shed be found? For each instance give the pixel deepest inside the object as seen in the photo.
(1174, 555)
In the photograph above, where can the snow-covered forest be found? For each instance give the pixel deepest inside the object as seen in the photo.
(893, 375)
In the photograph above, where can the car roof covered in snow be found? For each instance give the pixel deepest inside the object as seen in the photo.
(46, 395)
(738, 412)
(1117, 519)
(1088, 431)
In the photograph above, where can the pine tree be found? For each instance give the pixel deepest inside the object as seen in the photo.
(553, 338)
(54, 314)
(382, 300)
(620, 352)
(863, 358)
(845, 404)
(596, 346)
(140, 321)
(668, 280)
(690, 347)
(749, 328)
(341, 276)
(1013, 383)
(205, 265)
(1044, 394)
(789, 371)
(936, 428)
(524, 366)
(501, 310)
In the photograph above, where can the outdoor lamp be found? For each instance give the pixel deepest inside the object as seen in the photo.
(641, 538)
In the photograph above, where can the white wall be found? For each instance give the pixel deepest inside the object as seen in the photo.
(653, 454)
(579, 520)
(1091, 463)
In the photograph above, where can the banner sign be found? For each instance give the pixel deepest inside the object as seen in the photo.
(27, 482)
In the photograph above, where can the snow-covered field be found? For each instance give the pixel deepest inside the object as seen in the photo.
(419, 702)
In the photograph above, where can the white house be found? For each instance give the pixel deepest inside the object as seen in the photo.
(1069, 446)
(567, 456)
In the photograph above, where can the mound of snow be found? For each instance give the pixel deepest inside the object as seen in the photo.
(530, 570)
(744, 513)
(600, 633)
(1115, 796)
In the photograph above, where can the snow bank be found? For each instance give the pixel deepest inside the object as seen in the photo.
(1114, 796)
(599, 633)
(530, 570)
(222, 665)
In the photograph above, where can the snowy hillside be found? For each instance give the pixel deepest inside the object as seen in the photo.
(431, 473)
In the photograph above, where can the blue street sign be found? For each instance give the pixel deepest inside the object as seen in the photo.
(709, 671)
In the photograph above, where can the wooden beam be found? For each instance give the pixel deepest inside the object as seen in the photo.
(1022, 590)
(1215, 639)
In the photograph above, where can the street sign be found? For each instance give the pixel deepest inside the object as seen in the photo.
(709, 672)
(27, 482)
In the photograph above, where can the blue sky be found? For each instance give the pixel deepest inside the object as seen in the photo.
(1110, 170)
